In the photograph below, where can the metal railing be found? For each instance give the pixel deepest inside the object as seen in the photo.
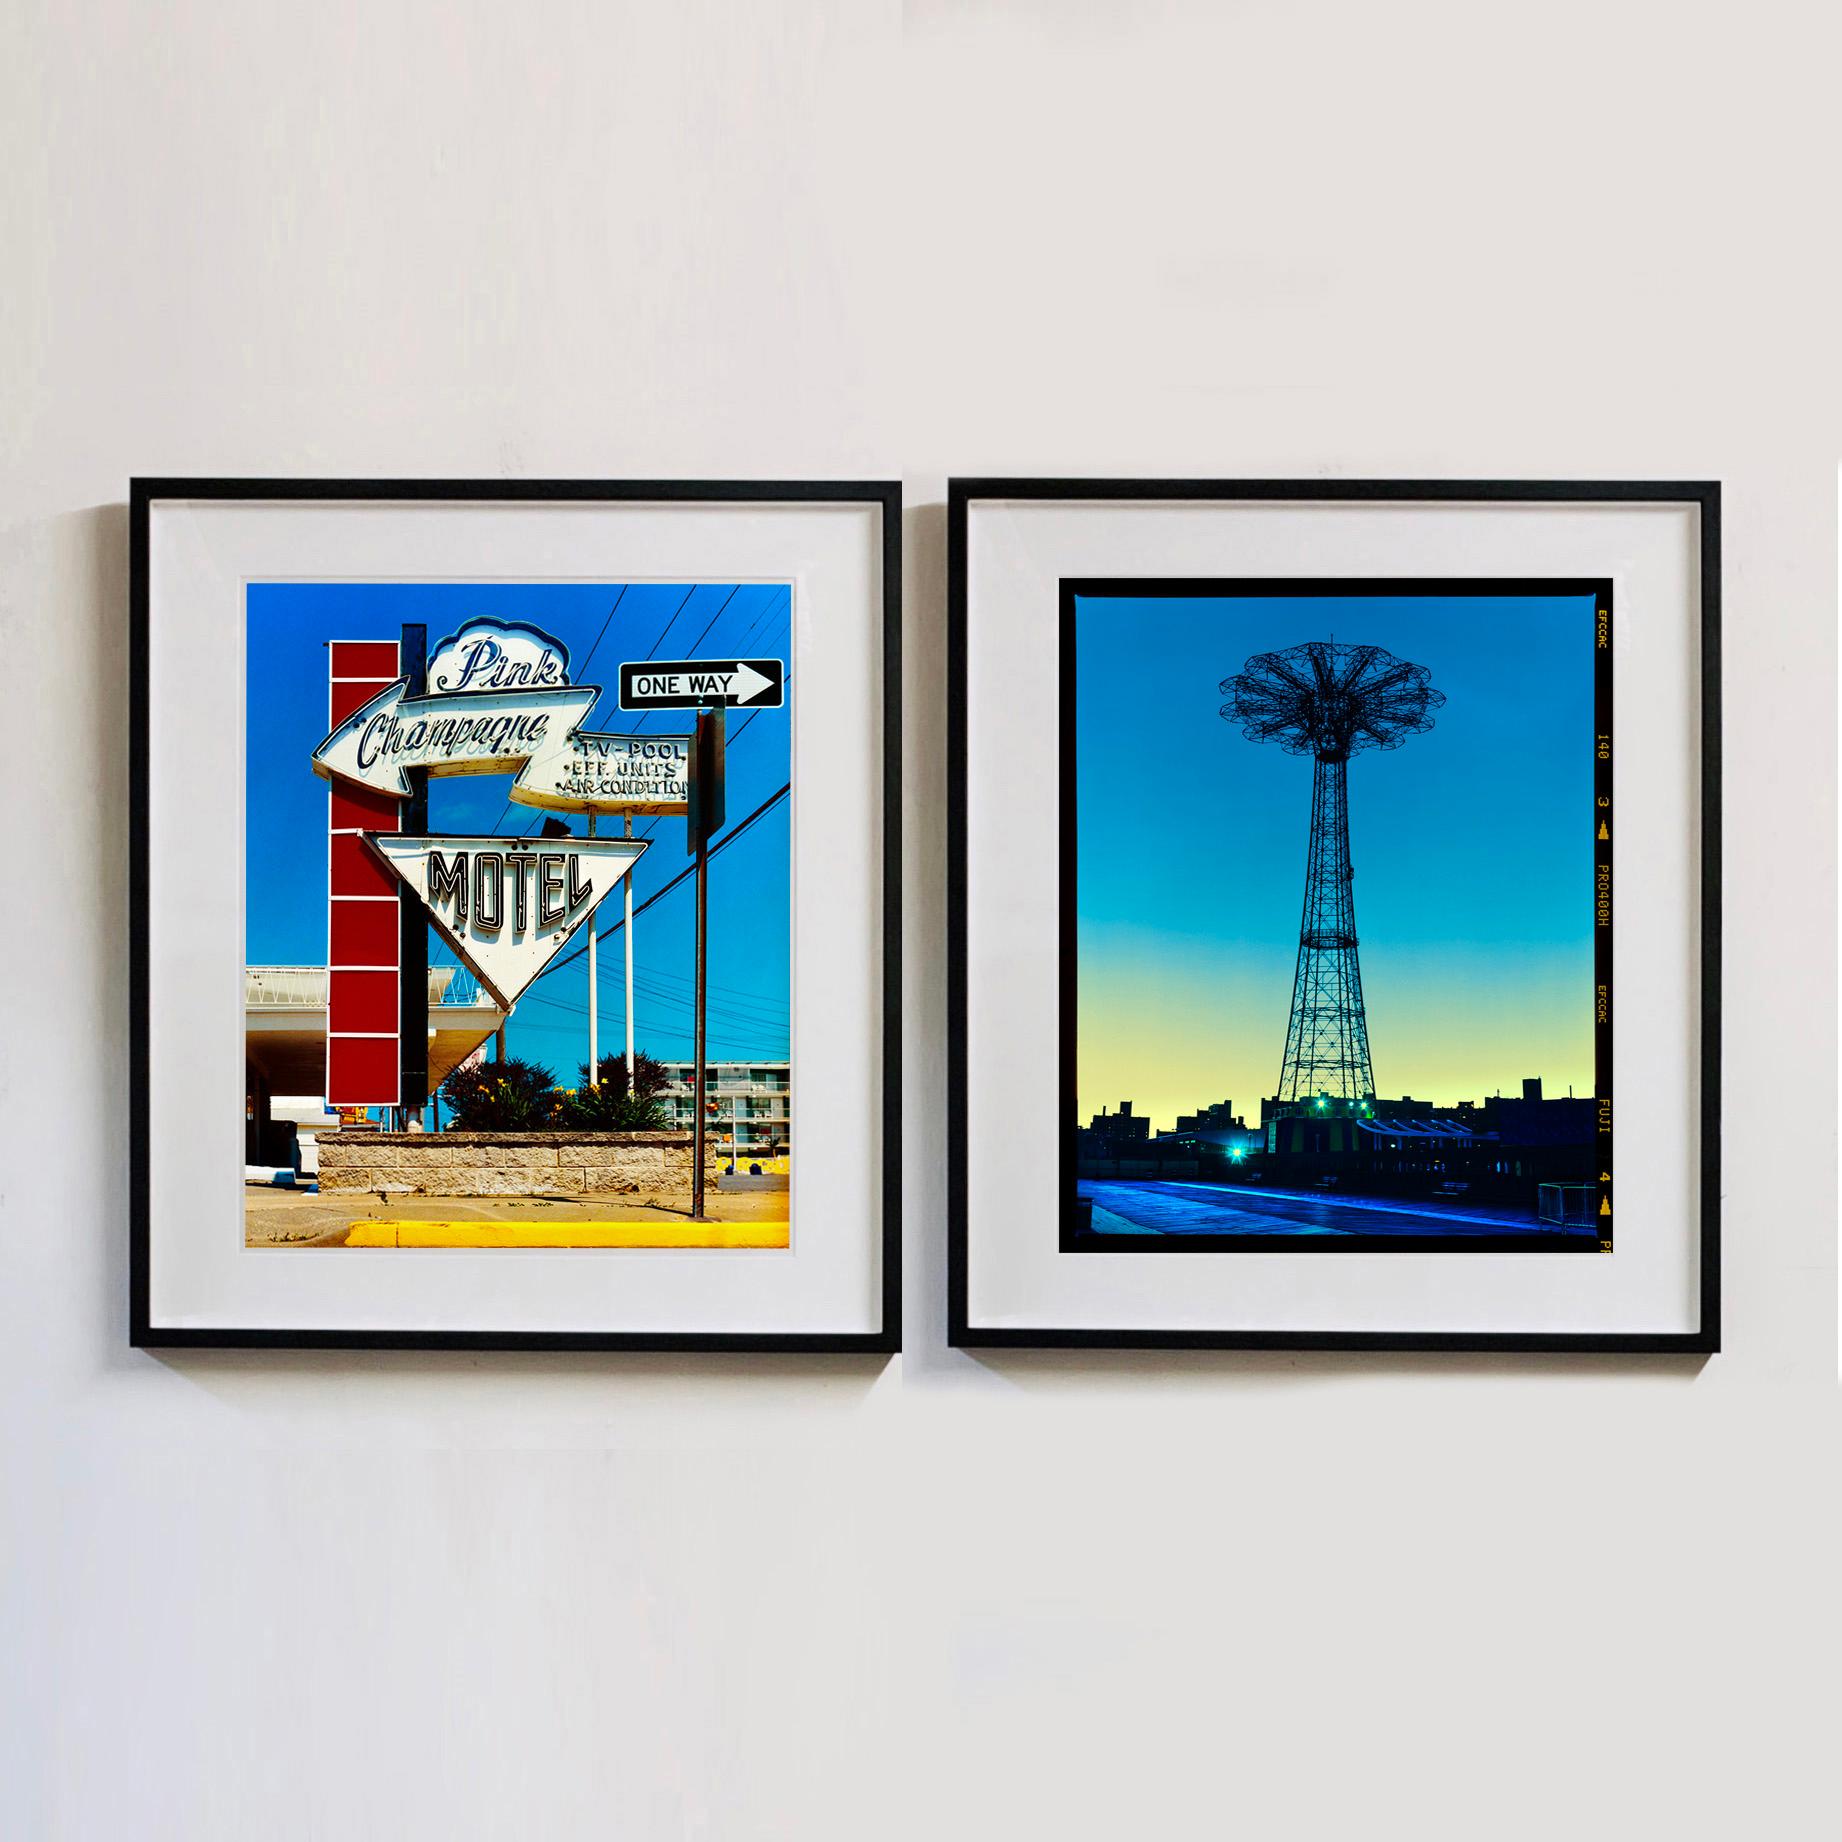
(1566, 1205)
(767, 1089)
(304, 988)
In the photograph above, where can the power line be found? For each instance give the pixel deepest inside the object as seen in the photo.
(728, 838)
(765, 1012)
(727, 1049)
(743, 1021)
(536, 818)
(735, 991)
(733, 997)
(711, 622)
(742, 1030)
(599, 637)
(673, 1026)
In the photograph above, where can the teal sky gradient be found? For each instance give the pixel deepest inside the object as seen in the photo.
(1472, 847)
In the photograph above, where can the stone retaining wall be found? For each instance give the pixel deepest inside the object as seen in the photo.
(505, 1163)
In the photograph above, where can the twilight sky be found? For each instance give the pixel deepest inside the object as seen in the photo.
(602, 625)
(1472, 848)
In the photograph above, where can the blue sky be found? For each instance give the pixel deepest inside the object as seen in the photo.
(1472, 846)
(602, 625)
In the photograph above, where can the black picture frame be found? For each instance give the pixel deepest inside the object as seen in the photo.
(144, 493)
(963, 493)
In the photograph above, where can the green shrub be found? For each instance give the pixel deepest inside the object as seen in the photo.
(601, 1109)
(519, 1096)
(508, 1096)
(607, 1105)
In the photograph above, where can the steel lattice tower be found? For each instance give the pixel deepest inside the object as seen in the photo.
(1330, 702)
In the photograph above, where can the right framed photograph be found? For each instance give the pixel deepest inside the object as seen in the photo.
(1334, 914)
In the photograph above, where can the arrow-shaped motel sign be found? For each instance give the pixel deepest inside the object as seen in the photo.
(702, 684)
(508, 906)
(534, 733)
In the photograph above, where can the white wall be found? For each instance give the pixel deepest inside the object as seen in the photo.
(393, 1597)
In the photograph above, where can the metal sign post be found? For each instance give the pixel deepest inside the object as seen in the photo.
(705, 819)
(412, 922)
(627, 936)
(699, 1071)
(594, 1003)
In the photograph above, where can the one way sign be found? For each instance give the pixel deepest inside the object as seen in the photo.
(699, 684)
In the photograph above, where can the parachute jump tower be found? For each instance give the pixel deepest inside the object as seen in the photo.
(1330, 702)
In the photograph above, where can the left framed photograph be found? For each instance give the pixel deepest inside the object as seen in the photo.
(515, 953)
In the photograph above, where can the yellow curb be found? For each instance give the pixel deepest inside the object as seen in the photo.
(567, 1234)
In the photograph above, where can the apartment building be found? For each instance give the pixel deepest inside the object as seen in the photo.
(753, 1102)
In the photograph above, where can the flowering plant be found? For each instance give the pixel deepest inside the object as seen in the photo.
(508, 1096)
(612, 1103)
(519, 1096)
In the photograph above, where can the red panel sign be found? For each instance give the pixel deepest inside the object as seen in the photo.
(360, 806)
(356, 872)
(362, 1065)
(365, 1001)
(363, 934)
(372, 660)
(362, 930)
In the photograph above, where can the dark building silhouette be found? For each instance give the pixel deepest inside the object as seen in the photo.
(1220, 1117)
(1122, 1128)
(1499, 1151)
(1211, 1133)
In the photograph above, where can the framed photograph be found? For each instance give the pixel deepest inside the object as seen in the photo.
(1334, 955)
(529, 856)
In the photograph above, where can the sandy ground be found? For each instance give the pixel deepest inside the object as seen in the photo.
(299, 1218)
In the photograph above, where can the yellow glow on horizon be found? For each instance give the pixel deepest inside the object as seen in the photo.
(1179, 1036)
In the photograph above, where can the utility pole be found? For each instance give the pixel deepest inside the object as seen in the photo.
(704, 820)
(594, 1040)
(626, 887)
(699, 1070)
